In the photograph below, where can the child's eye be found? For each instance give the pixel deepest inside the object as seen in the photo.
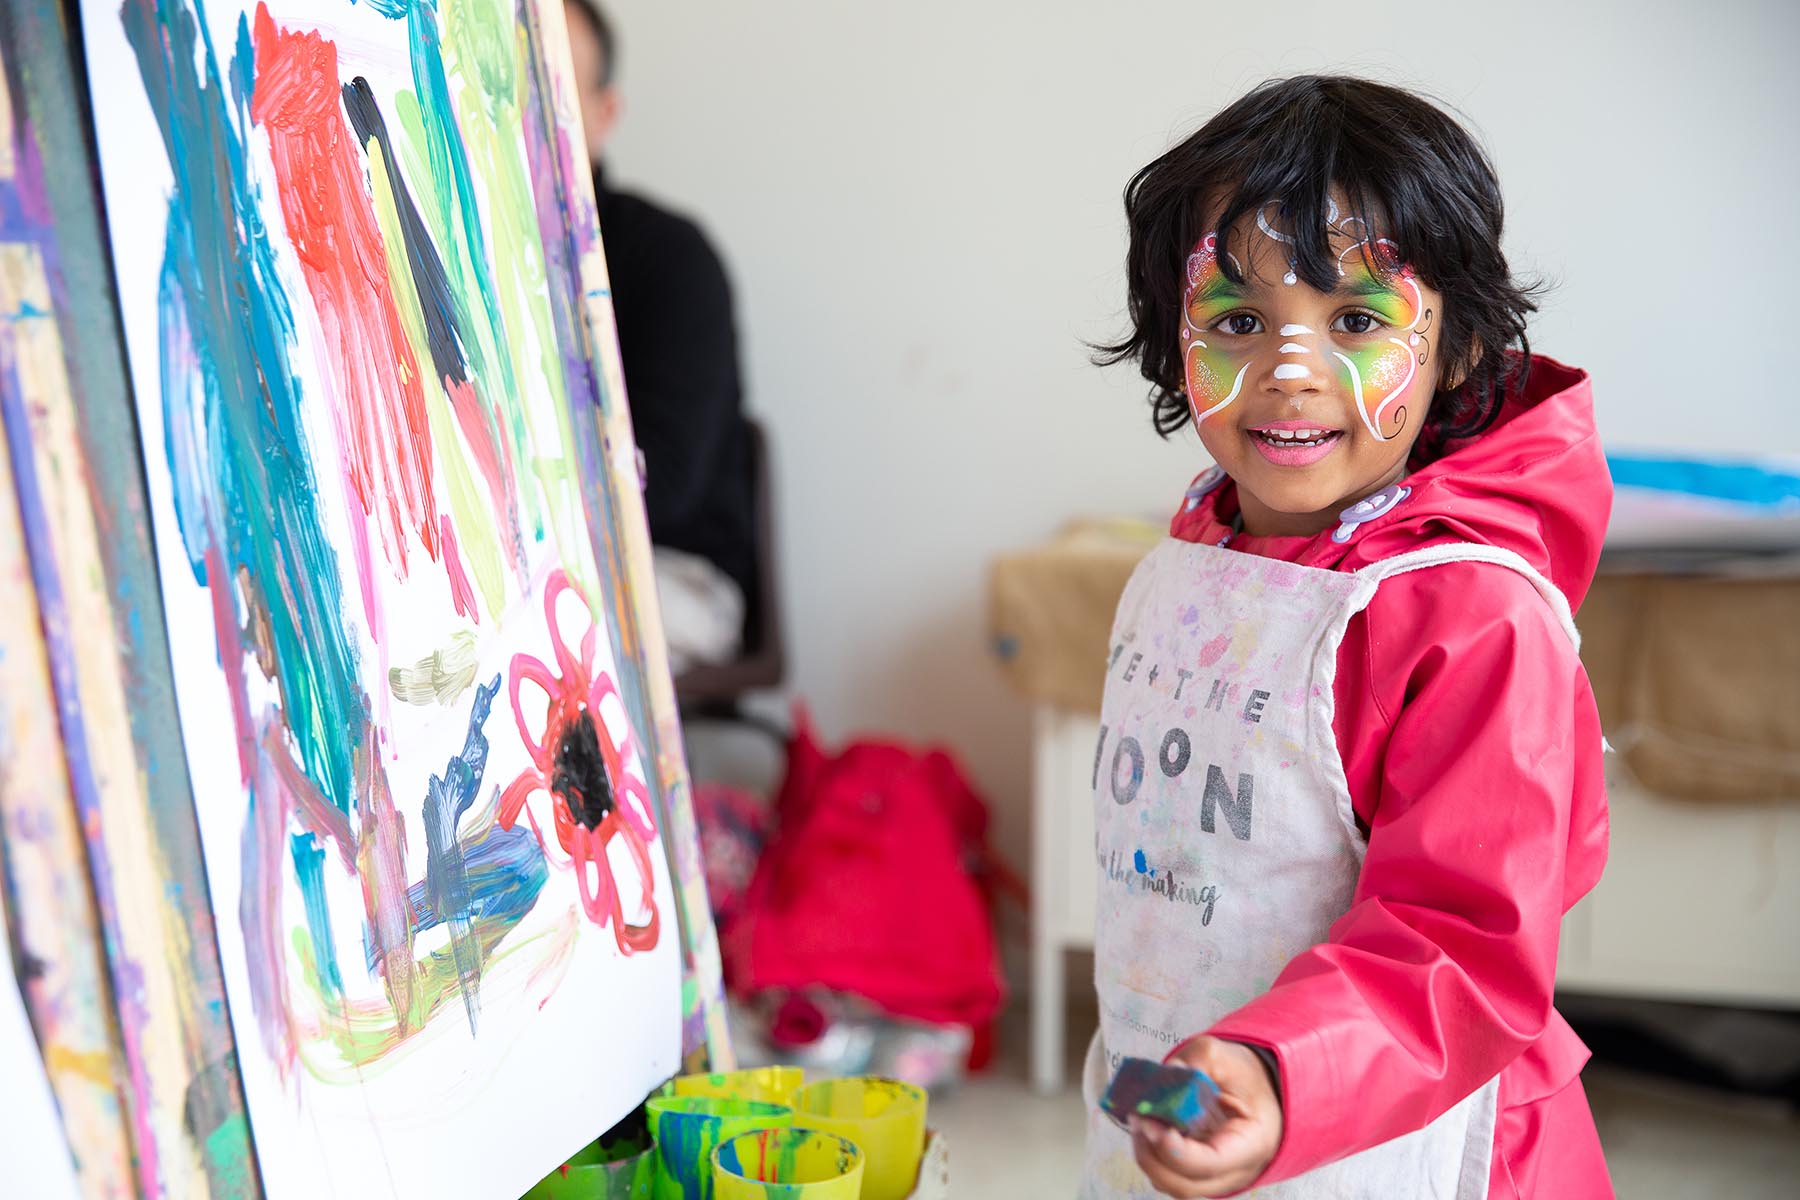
(1356, 322)
(1241, 323)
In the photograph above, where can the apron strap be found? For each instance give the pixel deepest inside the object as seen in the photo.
(1431, 556)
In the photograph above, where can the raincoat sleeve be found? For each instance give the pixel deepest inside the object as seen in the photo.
(1464, 719)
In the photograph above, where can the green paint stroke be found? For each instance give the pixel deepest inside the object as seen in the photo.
(428, 120)
(474, 517)
(441, 676)
(226, 1153)
(483, 47)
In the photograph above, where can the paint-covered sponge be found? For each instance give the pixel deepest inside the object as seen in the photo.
(1179, 1096)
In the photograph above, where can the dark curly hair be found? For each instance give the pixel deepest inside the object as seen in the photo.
(1405, 168)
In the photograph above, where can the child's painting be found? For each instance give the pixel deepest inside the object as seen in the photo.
(415, 728)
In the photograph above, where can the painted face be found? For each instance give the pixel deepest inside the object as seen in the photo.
(1377, 372)
(1311, 400)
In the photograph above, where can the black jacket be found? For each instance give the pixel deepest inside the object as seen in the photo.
(679, 346)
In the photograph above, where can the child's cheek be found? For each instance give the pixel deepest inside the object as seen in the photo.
(1380, 377)
(1214, 379)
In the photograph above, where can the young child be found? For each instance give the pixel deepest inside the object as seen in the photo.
(1349, 770)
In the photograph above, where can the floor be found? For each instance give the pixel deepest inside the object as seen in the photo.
(1663, 1141)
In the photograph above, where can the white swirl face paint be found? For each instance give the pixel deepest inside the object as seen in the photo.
(1379, 371)
(1210, 293)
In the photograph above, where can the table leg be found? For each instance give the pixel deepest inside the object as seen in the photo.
(1047, 997)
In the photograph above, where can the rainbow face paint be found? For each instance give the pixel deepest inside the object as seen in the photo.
(1375, 371)
(1375, 367)
(1214, 376)
(1379, 372)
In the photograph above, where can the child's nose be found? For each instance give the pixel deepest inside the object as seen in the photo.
(1296, 373)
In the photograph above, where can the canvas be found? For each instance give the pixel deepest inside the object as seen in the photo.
(419, 679)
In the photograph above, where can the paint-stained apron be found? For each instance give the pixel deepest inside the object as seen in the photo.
(1226, 839)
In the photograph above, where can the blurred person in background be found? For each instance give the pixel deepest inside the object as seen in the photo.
(678, 344)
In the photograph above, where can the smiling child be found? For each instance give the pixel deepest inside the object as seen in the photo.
(1349, 771)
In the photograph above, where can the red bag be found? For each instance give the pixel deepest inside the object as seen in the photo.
(867, 885)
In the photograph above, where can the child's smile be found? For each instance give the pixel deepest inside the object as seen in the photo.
(1309, 400)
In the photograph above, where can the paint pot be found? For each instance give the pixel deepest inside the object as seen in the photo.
(789, 1164)
(625, 1171)
(776, 1085)
(884, 1116)
(688, 1129)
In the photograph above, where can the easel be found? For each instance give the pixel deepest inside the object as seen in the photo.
(99, 852)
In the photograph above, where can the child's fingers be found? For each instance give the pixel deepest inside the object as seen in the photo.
(1181, 1166)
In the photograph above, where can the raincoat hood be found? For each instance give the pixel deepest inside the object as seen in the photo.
(1535, 483)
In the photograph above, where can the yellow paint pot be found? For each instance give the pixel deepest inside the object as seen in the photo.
(883, 1116)
(688, 1129)
(788, 1164)
(776, 1085)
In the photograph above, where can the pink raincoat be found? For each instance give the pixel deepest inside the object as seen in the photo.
(1472, 748)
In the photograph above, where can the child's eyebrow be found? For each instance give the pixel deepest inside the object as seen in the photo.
(1367, 287)
(1219, 287)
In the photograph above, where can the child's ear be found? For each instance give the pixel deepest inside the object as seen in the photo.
(1459, 371)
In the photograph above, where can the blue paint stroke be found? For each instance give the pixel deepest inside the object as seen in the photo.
(447, 798)
(245, 483)
(309, 872)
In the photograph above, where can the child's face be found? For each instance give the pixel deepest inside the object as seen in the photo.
(1309, 400)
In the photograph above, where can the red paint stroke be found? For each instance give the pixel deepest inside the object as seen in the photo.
(317, 815)
(460, 591)
(1214, 650)
(495, 467)
(331, 225)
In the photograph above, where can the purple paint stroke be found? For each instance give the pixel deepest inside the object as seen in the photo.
(259, 906)
(381, 865)
(127, 976)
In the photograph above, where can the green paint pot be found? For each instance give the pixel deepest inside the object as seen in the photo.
(688, 1129)
(788, 1164)
(624, 1172)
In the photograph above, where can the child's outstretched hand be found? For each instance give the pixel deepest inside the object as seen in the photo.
(1235, 1153)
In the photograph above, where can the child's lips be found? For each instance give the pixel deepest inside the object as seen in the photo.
(1294, 443)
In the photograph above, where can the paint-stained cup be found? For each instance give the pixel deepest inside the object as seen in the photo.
(688, 1129)
(594, 1172)
(883, 1116)
(776, 1085)
(788, 1164)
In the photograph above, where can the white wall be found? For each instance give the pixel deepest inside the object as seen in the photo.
(919, 204)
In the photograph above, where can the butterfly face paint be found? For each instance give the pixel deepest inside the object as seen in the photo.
(1215, 377)
(1380, 371)
(1376, 370)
